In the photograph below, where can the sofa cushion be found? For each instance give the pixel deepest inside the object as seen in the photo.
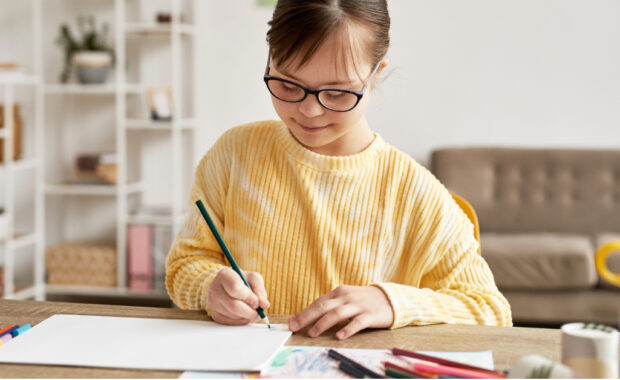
(542, 261)
(613, 260)
(573, 191)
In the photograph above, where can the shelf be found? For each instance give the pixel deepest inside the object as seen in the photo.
(26, 164)
(79, 290)
(151, 28)
(23, 164)
(155, 219)
(23, 293)
(22, 240)
(95, 190)
(147, 124)
(91, 89)
(17, 79)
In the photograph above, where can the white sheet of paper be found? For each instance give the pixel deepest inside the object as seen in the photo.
(145, 343)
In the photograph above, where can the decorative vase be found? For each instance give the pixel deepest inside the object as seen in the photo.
(92, 66)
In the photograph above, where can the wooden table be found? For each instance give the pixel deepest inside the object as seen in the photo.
(507, 343)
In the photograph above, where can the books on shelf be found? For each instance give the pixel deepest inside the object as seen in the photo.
(148, 246)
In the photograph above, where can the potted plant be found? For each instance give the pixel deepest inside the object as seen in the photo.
(90, 53)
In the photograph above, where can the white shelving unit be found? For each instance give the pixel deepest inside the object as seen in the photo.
(131, 119)
(34, 238)
(82, 89)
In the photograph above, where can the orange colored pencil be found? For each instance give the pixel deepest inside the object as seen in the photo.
(6, 328)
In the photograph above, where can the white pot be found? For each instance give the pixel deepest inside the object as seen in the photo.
(92, 66)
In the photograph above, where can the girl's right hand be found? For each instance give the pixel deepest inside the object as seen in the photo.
(230, 302)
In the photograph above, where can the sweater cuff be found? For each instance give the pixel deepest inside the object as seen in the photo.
(413, 306)
(209, 276)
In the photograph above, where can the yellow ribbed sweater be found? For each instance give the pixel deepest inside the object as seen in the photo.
(309, 223)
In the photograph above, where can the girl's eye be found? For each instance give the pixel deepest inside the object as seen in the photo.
(333, 95)
(288, 87)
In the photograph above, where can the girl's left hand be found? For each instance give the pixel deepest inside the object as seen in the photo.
(365, 306)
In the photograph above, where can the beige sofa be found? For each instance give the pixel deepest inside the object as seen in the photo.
(543, 214)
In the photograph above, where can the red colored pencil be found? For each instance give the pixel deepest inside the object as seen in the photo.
(446, 362)
(445, 370)
(409, 371)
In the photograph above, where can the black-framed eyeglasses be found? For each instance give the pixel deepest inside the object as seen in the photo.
(334, 99)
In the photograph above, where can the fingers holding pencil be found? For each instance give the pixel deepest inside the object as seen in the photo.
(258, 286)
(231, 302)
(233, 263)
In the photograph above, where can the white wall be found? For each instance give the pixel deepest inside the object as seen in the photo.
(477, 72)
(232, 53)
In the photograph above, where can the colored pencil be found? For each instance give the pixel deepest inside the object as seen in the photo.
(440, 369)
(6, 328)
(409, 371)
(351, 370)
(446, 362)
(22, 329)
(366, 371)
(398, 374)
(228, 255)
(9, 331)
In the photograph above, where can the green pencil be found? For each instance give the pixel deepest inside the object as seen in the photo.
(398, 374)
(228, 255)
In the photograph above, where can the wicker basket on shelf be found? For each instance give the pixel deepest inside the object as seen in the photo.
(81, 264)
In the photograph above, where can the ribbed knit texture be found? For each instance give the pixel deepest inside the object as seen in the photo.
(309, 223)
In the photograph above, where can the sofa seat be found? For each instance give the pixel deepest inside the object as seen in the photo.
(562, 306)
(540, 261)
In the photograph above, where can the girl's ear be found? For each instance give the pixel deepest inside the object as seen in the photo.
(382, 65)
(384, 62)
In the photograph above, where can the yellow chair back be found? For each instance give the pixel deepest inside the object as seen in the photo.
(471, 214)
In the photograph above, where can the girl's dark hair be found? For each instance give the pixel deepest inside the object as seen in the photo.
(298, 28)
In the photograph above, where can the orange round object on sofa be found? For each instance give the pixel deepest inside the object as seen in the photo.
(601, 262)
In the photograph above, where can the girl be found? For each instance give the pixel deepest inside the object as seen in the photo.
(331, 222)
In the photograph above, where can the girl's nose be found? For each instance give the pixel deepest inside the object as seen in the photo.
(310, 107)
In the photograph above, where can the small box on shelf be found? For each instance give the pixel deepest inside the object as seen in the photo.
(96, 168)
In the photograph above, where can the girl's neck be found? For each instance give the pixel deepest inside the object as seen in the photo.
(356, 140)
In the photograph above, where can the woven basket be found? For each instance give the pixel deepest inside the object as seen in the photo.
(81, 264)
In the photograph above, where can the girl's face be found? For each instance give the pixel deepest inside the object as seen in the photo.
(321, 130)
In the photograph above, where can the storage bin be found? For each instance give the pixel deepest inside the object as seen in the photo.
(81, 264)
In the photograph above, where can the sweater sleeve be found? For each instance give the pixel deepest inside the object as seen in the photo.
(195, 257)
(458, 286)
